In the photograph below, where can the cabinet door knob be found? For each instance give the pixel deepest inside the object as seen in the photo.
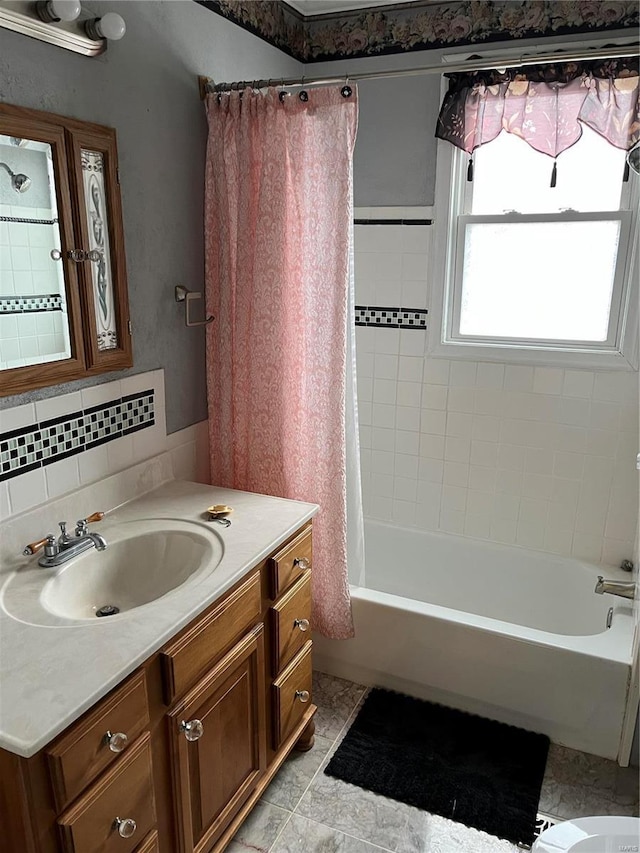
(125, 826)
(302, 562)
(303, 695)
(116, 741)
(193, 730)
(303, 624)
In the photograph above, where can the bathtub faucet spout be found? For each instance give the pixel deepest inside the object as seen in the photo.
(627, 589)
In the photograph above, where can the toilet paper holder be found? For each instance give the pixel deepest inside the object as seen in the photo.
(187, 296)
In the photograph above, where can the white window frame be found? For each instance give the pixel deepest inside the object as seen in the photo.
(619, 351)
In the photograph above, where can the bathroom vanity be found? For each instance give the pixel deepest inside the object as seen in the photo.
(174, 755)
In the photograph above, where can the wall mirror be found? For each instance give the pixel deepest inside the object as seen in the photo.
(63, 287)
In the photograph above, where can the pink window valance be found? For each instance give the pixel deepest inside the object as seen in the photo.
(544, 105)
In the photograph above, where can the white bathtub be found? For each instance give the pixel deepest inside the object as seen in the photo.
(515, 635)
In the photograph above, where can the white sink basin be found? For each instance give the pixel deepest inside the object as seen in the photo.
(144, 560)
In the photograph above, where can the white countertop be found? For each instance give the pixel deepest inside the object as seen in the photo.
(51, 675)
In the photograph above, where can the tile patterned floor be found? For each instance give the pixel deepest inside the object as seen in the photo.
(304, 811)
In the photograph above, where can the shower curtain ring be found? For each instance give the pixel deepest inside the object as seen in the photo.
(282, 95)
(303, 95)
(346, 90)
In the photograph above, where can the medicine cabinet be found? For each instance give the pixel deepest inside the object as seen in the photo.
(64, 311)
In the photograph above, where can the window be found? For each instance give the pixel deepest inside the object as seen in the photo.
(535, 271)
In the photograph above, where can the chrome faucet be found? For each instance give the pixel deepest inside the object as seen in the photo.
(627, 589)
(65, 547)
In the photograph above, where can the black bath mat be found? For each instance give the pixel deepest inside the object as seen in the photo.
(478, 772)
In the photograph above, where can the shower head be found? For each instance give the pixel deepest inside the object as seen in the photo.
(19, 182)
(633, 158)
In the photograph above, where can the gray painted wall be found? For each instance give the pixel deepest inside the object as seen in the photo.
(395, 155)
(145, 87)
(394, 162)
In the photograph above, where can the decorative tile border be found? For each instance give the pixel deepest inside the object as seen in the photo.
(393, 221)
(420, 25)
(49, 441)
(30, 304)
(391, 318)
(25, 221)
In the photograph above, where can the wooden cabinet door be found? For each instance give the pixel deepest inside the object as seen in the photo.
(215, 772)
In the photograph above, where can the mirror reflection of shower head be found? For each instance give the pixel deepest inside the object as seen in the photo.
(19, 182)
(633, 158)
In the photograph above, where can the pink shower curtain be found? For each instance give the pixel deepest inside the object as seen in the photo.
(278, 208)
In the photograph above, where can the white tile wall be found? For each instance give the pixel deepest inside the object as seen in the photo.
(536, 456)
(26, 268)
(188, 447)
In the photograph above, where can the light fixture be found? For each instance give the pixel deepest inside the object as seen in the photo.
(52, 11)
(64, 23)
(110, 26)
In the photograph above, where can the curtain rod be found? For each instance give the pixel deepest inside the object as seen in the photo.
(206, 85)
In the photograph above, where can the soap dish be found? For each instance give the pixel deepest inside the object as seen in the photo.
(219, 511)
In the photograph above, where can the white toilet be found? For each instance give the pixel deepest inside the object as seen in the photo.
(605, 834)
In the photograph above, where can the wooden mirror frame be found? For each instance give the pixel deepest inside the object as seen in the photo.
(67, 138)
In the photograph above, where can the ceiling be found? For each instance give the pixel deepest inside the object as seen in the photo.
(308, 8)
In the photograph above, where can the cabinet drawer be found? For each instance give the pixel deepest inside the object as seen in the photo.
(85, 749)
(191, 654)
(292, 694)
(290, 562)
(149, 845)
(125, 791)
(291, 617)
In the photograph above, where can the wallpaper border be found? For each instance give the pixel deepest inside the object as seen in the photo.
(424, 25)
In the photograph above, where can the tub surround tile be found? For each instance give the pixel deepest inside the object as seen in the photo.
(550, 419)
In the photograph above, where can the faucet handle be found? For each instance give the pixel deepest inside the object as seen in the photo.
(34, 547)
(81, 524)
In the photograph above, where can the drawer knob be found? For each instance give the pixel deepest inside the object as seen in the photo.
(125, 826)
(303, 624)
(302, 562)
(116, 741)
(193, 730)
(303, 695)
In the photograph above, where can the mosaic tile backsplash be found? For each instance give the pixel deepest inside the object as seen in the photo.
(23, 304)
(49, 441)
